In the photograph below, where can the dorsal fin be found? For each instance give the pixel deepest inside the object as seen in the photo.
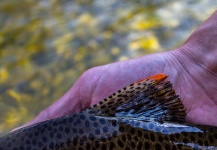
(149, 99)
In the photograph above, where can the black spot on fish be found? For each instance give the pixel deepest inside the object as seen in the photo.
(75, 141)
(50, 128)
(102, 121)
(123, 138)
(94, 105)
(87, 123)
(92, 118)
(51, 145)
(179, 146)
(120, 95)
(21, 148)
(120, 143)
(71, 120)
(82, 117)
(200, 134)
(61, 128)
(114, 133)
(167, 146)
(30, 136)
(133, 144)
(136, 138)
(51, 134)
(139, 133)
(177, 135)
(34, 142)
(174, 147)
(95, 124)
(64, 120)
(27, 142)
(40, 144)
(112, 145)
(129, 137)
(80, 148)
(105, 129)
(55, 123)
(206, 143)
(45, 125)
(81, 131)
(36, 133)
(127, 148)
(68, 142)
(158, 146)
(77, 122)
(114, 123)
(42, 131)
(132, 131)
(13, 140)
(81, 142)
(107, 112)
(139, 145)
(97, 131)
(59, 136)
(74, 130)
(145, 136)
(103, 106)
(88, 146)
(22, 138)
(29, 148)
(166, 138)
(152, 137)
(97, 144)
(44, 139)
(184, 133)
(160, 138)
(200, 142)
(147, 146)
(215, 135)
(192, 138)
(91, 136)
(211, 140)
(172, 137)
(67, 130)
(121, 129)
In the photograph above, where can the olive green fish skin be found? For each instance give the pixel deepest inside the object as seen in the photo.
(145, 115)
(84, 131)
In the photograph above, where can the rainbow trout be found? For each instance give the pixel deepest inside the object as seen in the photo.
(144, 115)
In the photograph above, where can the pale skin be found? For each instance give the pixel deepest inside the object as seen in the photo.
(191, 68)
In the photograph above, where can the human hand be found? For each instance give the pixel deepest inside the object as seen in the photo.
(192, 69)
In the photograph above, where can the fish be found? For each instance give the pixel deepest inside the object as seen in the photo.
(145, 115)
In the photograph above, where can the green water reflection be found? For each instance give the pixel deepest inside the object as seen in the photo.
(45, 45)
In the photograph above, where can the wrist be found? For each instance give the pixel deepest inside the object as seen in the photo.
(201, 47)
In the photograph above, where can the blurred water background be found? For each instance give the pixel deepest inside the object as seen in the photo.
(45, 45)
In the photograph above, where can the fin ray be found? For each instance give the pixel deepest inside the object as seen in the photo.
(148, 99)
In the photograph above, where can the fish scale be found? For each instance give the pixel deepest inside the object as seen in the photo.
(144, 115)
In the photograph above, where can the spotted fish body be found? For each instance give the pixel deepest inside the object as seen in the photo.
(145, 115)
